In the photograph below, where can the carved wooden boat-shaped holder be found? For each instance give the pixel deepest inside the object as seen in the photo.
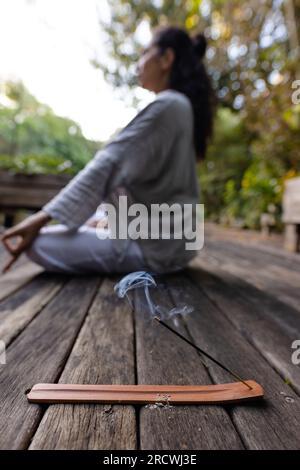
(146, 394)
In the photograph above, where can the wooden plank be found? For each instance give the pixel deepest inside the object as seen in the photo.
(163, 359)
(285, 316)
(270, 250)
(278, 281)
(17, 277)
(280, 252)
(25, 197)
(2, 250)
(256, 253)
(17, 311)
(273, 424)
(22, 179)
(103, 353)
(39, 354)
(29, 191)
(271, 325)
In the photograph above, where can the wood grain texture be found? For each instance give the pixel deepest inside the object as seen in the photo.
(278, 280)
(103, 353)
(17, 311)
(164, 359)
(269, 249)
(273, 307)
(246, 314)
(29, 191)
(271, 424)
(270, 325)
(39, 354)
(11, 281)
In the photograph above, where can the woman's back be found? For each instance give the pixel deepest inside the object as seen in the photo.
(151, 161)
(166, 167)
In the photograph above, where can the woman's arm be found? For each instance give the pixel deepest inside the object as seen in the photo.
(135, 155)
(79, 200)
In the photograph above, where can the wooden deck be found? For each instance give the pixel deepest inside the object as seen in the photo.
(246, 303)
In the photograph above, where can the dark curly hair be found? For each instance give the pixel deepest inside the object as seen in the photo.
(188, 75)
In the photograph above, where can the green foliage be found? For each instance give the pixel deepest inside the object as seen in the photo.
(238, 184)
(252, 61)
(227, 159)
(34, 139)
(36, 164)
(260, 189)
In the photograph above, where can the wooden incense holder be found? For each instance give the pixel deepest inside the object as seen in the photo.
(143, 394)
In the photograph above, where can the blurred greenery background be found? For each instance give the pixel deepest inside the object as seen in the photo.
(253, 59)
(34, 140)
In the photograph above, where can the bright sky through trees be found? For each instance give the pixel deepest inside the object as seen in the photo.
(48, 44)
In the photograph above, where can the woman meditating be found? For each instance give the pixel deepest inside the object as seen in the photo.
(151, 161)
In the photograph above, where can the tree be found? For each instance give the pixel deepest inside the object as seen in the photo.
(252, 68)
(33, 136)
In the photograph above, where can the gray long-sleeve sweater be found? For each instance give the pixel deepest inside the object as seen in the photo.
(153, 160)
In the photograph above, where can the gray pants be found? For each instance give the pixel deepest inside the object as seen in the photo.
(58, 249)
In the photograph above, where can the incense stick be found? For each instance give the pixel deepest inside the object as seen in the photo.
(202, 352)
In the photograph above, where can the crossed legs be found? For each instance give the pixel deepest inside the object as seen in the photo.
(58, 249)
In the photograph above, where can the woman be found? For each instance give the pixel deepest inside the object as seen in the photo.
(151, 161)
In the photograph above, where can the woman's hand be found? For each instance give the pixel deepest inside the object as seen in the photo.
(25, 232)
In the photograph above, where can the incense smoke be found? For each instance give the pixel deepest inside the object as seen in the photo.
(142, 279)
